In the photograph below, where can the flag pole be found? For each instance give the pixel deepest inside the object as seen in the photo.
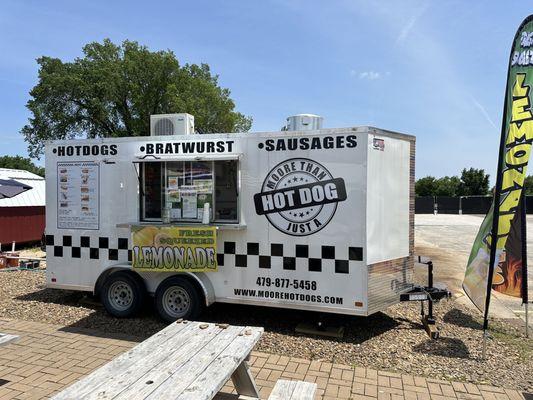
(493, 243)
(495, 219)
(527, 322)
(524, 260)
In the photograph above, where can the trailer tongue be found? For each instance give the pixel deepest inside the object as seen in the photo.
(428, 293)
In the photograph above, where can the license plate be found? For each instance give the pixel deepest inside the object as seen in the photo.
(415, 297)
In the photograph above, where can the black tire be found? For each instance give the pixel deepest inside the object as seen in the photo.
(177, 298)
(122, 294)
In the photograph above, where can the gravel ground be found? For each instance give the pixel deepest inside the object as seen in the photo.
(392, 341)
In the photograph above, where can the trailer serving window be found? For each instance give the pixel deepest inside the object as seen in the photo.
(181, 189)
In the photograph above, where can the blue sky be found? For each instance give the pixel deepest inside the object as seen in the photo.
(435, 69)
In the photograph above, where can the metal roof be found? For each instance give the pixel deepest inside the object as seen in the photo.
(30, 198)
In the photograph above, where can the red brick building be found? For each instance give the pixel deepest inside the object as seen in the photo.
(22, 216)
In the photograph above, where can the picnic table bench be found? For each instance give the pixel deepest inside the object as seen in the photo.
(185, 360)
(5, 338)
(293, 390)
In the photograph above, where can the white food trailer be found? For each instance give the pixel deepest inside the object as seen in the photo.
(319, 219)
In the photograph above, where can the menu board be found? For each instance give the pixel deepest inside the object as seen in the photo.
(189, 187)
(78, 185)
(204, 185)
(189, 201)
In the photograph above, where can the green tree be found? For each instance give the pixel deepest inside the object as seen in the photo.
(447, 186)
(426, 186)
(474, 182)
(113, 89)
(528, 185)
(18, 162)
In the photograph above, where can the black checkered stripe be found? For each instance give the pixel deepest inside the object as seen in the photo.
(95, 248)
(98, 247)
(279, 254)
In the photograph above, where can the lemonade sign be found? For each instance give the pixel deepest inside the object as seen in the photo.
(172, 248)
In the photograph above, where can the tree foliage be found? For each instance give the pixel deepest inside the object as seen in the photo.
(473, 182)
(113, 89)
(528, 185)
(18, 162)
(426, 186)
(448, 186)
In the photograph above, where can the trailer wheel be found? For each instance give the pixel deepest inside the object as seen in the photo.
(177, 298)
(122, 295)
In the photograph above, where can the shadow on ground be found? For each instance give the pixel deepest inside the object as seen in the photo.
(444, 346)
(62, 297)
(459, 318)
(99, 323)
(356, 329)
(409, 324)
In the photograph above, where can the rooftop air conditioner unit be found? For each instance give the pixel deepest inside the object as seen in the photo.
(171, 124)
(304, 122)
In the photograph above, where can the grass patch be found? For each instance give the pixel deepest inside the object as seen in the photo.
(513, 339)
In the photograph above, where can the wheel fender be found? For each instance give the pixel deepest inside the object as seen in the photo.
(207, 287)
(113, 268)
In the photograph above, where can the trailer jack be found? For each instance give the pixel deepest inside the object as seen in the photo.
(430, 294)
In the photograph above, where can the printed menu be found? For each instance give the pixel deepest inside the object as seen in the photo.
(78, 195)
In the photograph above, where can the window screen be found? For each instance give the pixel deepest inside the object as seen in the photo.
(183, 188)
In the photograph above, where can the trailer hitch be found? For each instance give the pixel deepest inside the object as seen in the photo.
(430, 294)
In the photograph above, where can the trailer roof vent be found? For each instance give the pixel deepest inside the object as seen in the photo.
(303, 122)
(171, 124)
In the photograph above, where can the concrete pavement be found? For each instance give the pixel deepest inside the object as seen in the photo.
(447, 239)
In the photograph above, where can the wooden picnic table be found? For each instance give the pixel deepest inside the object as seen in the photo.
(5, 338)
(186, 360)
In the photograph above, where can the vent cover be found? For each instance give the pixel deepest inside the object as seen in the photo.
(163, 127)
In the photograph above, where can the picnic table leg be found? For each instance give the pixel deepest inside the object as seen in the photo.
(244, 381)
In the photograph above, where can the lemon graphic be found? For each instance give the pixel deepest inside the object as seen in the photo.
(161, 239)
(145, 236)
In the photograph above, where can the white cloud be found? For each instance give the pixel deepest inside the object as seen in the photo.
(368, 75)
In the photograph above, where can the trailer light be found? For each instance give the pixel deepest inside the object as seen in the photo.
(358, 304)
(53, 279)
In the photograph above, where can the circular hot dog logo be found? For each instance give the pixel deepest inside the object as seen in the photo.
(299, 196)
